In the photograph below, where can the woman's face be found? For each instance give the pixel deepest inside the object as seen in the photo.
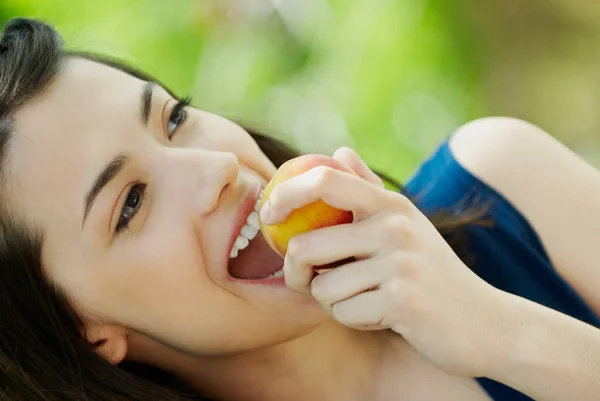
(139, 205)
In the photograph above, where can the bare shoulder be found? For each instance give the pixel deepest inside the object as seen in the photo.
(556, 190)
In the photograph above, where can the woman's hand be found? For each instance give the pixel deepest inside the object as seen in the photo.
(402, 274)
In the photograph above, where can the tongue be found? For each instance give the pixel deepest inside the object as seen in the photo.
(255, 262)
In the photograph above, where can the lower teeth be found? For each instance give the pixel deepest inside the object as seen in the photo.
(277, 274)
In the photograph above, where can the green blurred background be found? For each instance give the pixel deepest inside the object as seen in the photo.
(390, 78)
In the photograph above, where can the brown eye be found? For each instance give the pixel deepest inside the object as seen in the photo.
(178, 117)
(131, 206)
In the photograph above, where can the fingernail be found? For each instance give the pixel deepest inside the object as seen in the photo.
(265, 213)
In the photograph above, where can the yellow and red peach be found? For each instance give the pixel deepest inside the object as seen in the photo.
(306, 218)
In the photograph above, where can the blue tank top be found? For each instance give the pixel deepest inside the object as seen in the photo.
(509, 254)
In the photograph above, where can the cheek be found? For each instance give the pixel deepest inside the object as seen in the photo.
(157, 285)
(156, 282)
(156, 266)
(139, 274)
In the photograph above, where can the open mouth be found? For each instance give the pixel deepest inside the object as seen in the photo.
(251, 258)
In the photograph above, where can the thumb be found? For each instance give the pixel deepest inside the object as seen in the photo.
(350, 158)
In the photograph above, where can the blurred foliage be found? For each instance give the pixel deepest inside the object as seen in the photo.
(390, 78)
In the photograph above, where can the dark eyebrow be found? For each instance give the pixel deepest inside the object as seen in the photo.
(109, 172)
(146, 102)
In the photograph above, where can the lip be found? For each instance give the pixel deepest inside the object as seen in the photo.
(246, 207)
(275, 282)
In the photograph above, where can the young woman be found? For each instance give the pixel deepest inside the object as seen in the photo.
(131, 267)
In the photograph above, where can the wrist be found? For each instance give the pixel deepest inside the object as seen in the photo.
(544, 353)
(505, 335)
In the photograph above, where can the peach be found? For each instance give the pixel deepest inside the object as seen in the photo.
(309, 217)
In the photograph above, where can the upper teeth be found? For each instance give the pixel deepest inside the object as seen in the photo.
(248, 232)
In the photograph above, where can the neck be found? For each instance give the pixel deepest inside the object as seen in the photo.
(332, 362)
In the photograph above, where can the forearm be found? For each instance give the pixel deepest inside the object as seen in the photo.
(548, 355)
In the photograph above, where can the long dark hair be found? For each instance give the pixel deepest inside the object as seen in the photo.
(43, 354)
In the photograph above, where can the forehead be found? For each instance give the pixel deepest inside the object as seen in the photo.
(63, 136)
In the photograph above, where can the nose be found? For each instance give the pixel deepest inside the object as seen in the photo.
(222, 169)
(201, 176)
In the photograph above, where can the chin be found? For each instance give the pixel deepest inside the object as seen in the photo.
(303, 316)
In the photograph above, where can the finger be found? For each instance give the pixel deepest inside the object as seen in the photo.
(366, 310)
(336, 188)
(329, 245)
(351, 159)
(349, 280)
